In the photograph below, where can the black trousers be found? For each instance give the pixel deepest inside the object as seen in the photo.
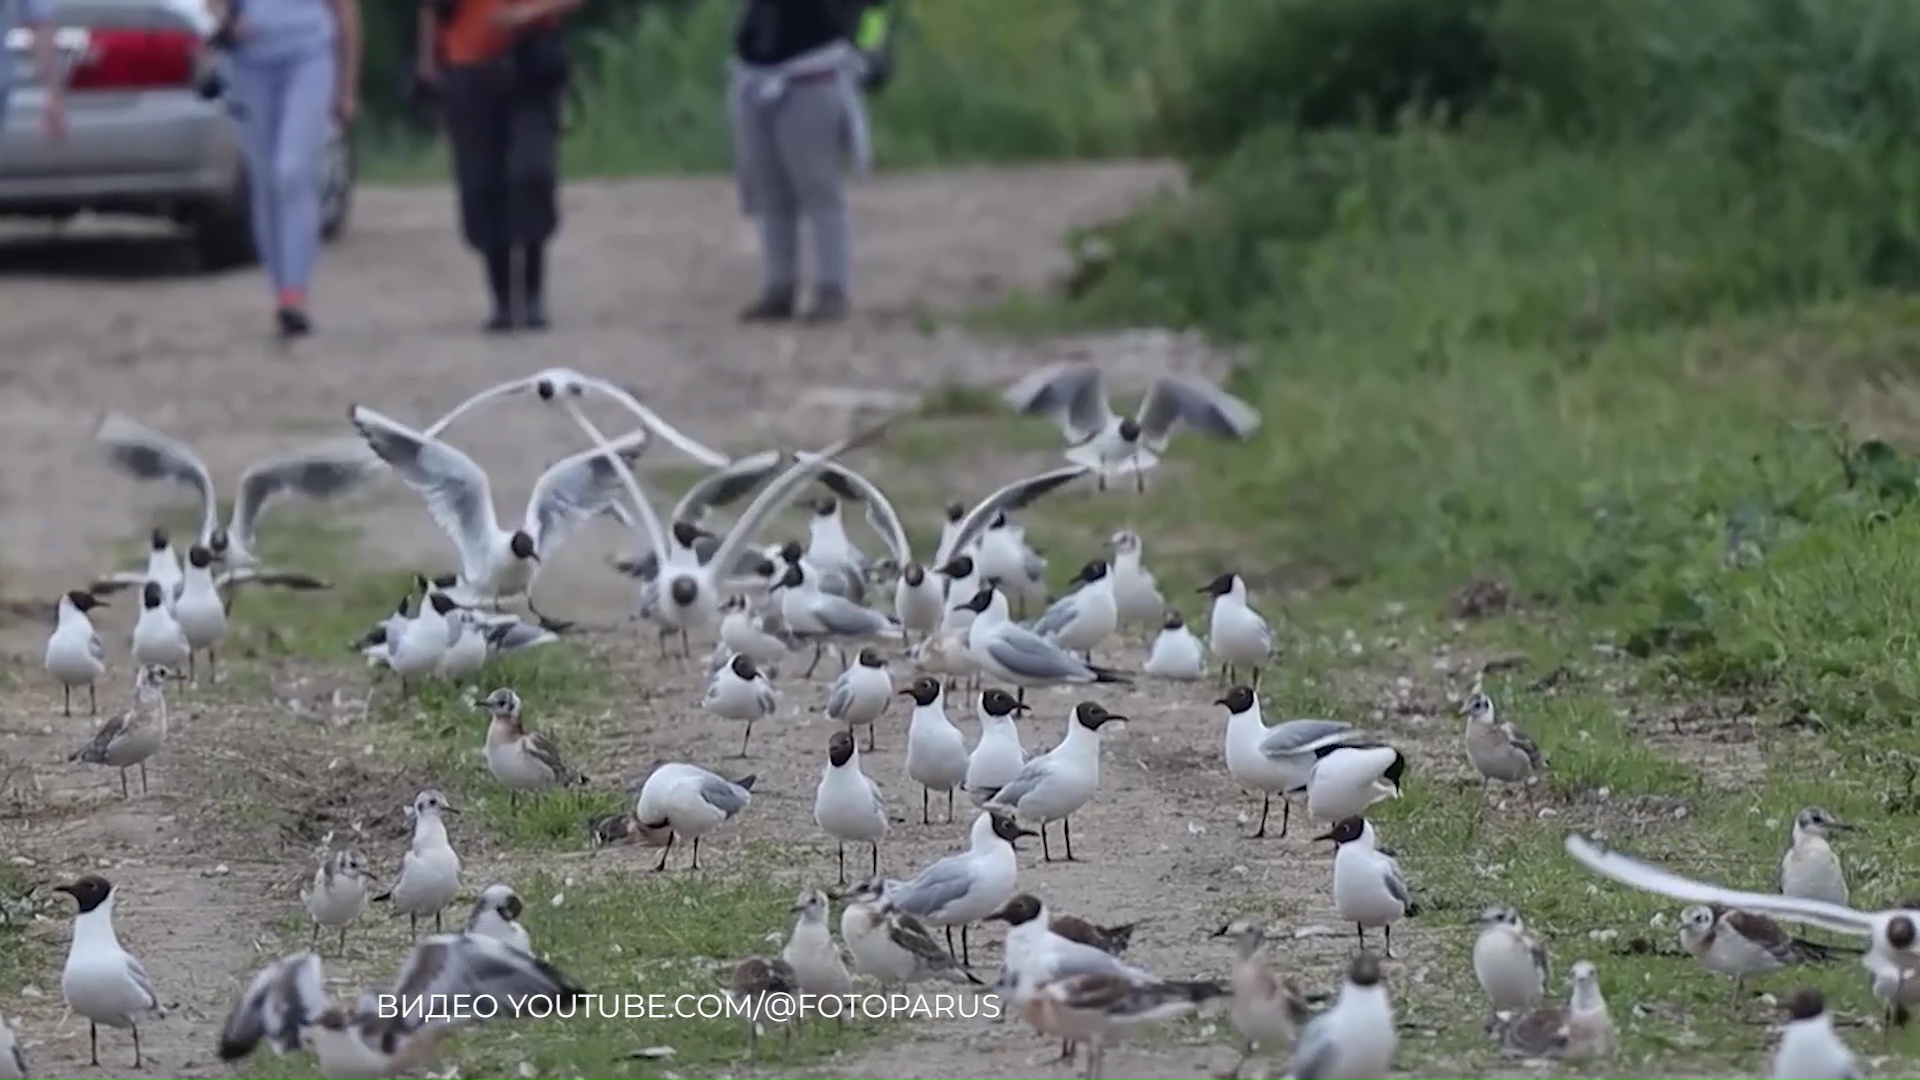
(506, 155)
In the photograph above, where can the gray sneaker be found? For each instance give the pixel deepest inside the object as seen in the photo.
(829, 306)
(774, 305)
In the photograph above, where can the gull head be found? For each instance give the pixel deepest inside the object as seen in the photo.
(84, 601)
(1346, 831)
(218, 541)
(742, 667)
(811, 906)
(199, 557)
(1019, 911)
(1130, 429)
(684, 591)
(865, 892)
(924, 691)
(870, 658)
(522, 546)
(442, 603)
(1173, 621)
(150, 595)
(1007, 829)
(1586, 984)
(160, 539)
(502, 901)
(913, 573)
(1900, 932)
(1093, 716)
(793, 577)
(791, 552)
(1238, 700)
(1221, 586)
(1807, 1003)
(982, 600)
(1364, 970)
(956, 511)
(1478, 708)
(1124, 542)
(686, 533)
(1092, 572)
(1695, 920)
(959, 568)
(826, 506)
(1818, 821)
(351, 864)
(89, 891)
(997, 702)
(554, 382)
(430, 803)
(503, 703)
(152, 676)
(1499, 915)
(1244, 932)
(840, 748)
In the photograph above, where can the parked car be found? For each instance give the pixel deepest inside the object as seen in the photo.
(141, 138)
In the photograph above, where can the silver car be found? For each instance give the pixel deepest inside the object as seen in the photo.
(141, 139)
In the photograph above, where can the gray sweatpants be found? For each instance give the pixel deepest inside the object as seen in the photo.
(790, 161)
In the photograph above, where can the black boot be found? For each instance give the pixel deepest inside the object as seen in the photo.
(533, 278)
(500, 286)
(774, 304)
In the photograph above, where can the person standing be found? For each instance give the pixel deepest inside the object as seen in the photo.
(37, 17)
(798, 123)
(501, 69)
(292, 71)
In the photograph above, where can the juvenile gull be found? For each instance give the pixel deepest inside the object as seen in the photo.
(812, 954)
(1012, 653)
(287, 1007)
(1176, 653)
(429, 871)
(960, 890)
(1136, 594)
(998, 757)
(102, 981)
(1368, 886)
(688, 801)
(892, 946)
(521, 760)
(1236, 633)
(338, 893)
(1509, 963)
(1496, 749)
(1729, 941)
(1810, 869)
(1583, 1028)
(1074, 396)
(937, 757)
(847, 804)
(1277, 760)
(1267, 1011)
(75, 654)
(1052, 786)
(131, 737)
(496, 914)
(756, 979)
(862, 694)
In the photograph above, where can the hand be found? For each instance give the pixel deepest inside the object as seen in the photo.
(53, 119)
(345, 107)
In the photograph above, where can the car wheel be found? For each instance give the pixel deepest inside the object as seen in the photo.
(223, 231)
(338, 172)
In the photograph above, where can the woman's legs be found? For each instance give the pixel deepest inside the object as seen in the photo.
(306, 123)
(258, 88)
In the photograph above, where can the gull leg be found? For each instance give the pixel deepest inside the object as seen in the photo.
(745, 739)
(966, 961)
(413, 926)
(66, 699)
(315, 939)
(843, 863)
(136, 1045)
(513, 799)
(870, 738)
(950, 949)
(343, 940)
(664, 852)
(190, 666)
(123, 784)
(1045, 855)
(1266, 804)
(93, 706)
(1020, 694)
(926, 798)
(93, 1041)
(436, 922)
(1388, 932)
(663, 642)
(1256, 678)
(143, 778)
(1066, 1049)
(818, 648)
(686, 644)
(876, 858)
(1066, 830)
(696, 854)
(949, 806)
(213, 666)
(1362, 931)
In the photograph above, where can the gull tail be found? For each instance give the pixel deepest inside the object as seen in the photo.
(1115, 939)
(1197, 990)
(383, 897)
(1814, 952)
(1109, 675)
(748, 781)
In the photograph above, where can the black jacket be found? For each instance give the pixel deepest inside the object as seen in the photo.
(776, 31)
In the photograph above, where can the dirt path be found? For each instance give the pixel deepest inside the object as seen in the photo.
(652, 272)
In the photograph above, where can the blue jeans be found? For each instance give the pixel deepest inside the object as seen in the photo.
(284, 128)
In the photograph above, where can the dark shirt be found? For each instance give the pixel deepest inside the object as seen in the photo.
(776, 31)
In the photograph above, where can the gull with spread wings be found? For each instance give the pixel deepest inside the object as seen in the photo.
(1074, 396)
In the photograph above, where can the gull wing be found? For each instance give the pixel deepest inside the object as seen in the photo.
(324, 473)
(574, 489)
(727, 485)
(1015, 496)
(142, 453)
(1072, 395)
(1649, 878)
(510, 388)
(1201, 405)
(454, 486)
(283, 998)
(651, 419)
(480, 966)
(880, 512)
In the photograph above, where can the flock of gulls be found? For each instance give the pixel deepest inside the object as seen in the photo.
(965, 625)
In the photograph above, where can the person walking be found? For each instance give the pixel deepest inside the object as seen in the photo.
(794, 99)
(292, 72)
(37, 17)
(500, 68)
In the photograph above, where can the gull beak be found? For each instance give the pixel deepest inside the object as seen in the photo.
(1222, 932)
(1841, 825)
(908, 692)
(65, 887)
(798, 908)
(450, 808)
(481, 703)
(1204, 590)
(1328, 835)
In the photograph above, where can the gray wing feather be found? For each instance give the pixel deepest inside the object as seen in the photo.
(842, 616)
(138, 451)
(934, 888)
(1025, 653)
(1298, 736)
(1201, 405)
(141, 980)
(724, 795)
(456, 489)
(726, 486)
(1396, 885)
(1315, 1054)
(320, 474)
(1058, 614)
(575, 489)
(1031, 776)
(839, 699)
(1072, 395)
(1014, 496)
(97, 647)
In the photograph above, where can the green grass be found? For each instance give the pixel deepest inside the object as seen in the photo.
(639, 934)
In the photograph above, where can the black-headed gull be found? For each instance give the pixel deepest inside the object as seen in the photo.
(1074, 396)
(75, 654)
(103, 981)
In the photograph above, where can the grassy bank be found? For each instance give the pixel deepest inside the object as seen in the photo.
(1603, 316)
